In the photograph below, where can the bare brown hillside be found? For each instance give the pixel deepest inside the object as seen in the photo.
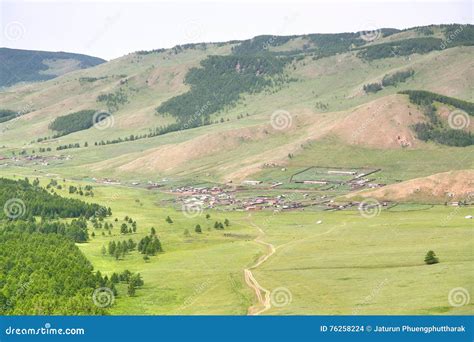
(383, 123)
(446, 186)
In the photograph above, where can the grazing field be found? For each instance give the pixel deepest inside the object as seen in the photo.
(325, 262)
(349, 264)
(329, 268)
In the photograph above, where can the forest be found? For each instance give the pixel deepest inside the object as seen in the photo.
(114, 100)
(43, 271)
(32, 200)
(435, 130)
(6, 115)
(219, 83)
(76, 230)
(444, 136)
(455, 35)
(27, 65)
(75, 122)
(320, 44)
(400, 48)
(259, 44)
(45, 274)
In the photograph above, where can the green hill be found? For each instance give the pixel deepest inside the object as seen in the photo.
(224, 94)
(32, 66)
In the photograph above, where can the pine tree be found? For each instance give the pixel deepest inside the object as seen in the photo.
(112, 247)
(114, 278)
(430, 258)
(131, 289)
(123, 229)
(198, 229)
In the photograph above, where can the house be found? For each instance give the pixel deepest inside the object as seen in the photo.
(251, 182)
(340, 172)
(314, 182)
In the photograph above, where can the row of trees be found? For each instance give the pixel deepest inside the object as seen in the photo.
(217, 225)
(66, 147)
(372, 87)
(397, 77)
(424, 98)
(76, 230)
(119, 249)
(389, 80)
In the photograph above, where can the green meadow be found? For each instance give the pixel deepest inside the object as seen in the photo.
(325, 262)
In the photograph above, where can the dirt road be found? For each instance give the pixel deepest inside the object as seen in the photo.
(263, 295)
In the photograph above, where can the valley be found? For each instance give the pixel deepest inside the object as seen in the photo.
(294, 175)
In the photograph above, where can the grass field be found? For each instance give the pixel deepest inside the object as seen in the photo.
(345, 264)
(349, 264)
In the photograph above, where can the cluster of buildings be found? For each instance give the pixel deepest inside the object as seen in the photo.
(277, 203)
(358, 179)
(209, 197)
(33, 159)
(364, 182)
(218, 197)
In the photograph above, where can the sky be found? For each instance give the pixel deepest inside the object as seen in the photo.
(110, 29)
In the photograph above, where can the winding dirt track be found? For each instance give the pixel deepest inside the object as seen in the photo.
(263, 295)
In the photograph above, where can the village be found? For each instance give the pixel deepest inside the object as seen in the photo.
(309, 189)
(313, 188)
(33, 159)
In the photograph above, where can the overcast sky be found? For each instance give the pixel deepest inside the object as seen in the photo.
(110, 29)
